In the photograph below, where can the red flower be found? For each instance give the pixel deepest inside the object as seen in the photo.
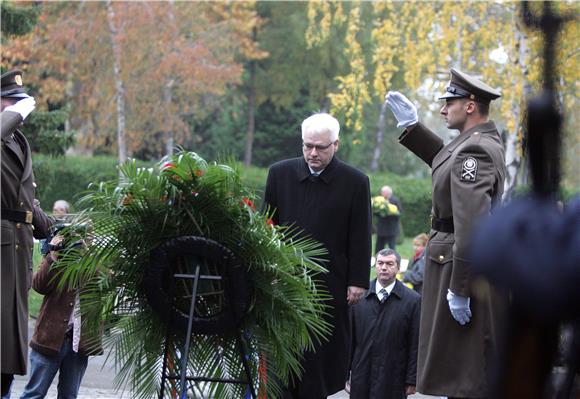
(167, 165)
(249, 203)
(199, 172)
(270, 222)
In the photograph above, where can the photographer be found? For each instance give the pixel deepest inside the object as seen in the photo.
(60, 342)
(60, 213)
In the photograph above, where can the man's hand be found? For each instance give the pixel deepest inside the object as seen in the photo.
(23, 107)
(354, 294)
(402, 108)
(56, 240)
(459, 307)
(410, 390)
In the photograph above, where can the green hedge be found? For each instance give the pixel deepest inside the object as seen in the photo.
(68, 177)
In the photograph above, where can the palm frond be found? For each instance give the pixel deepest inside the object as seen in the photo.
(182, 196)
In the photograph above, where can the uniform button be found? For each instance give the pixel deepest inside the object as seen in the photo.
(65, 320)
(18, 225)
(71, 304)
(441, 257)
(21, 203)
(476, 133)
(16, 246)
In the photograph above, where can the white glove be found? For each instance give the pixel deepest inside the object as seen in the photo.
(402, 108)
(459, 307)
(24, 107)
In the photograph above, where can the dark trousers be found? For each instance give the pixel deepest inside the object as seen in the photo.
(382, 240)
(292, 393)
(6, 383)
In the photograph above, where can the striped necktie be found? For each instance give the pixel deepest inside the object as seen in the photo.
(384, 294)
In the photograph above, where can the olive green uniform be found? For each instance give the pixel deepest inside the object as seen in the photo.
(468, 177)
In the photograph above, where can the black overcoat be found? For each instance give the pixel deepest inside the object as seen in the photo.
(389, 226)
(385, 339)
(333, 208)
(17, 243)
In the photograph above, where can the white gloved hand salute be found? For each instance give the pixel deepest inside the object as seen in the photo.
(402, 108)
(459, 307)
(24, 107)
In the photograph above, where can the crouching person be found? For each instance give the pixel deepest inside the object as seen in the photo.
(385, 335)
(60, 342)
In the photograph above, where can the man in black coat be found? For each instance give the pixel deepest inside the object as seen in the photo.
(385, 335)
(330, 201)
(388, 226)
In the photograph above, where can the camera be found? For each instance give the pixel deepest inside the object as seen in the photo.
(73, 237)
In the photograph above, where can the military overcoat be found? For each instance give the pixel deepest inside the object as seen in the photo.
(17, 242)
(467, 180)
(333, 208)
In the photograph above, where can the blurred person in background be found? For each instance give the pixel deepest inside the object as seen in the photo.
(416, 269)
(388, 220)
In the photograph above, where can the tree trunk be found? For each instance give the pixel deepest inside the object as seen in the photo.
(168, 89)
(251, 111)
(119, 87)
(379, 139)
(513, 143)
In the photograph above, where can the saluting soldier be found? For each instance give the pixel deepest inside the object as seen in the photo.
(21, 218)
(459, 319)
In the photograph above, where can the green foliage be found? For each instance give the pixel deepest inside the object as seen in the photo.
(415, 197)
(187, 196)
(17, 21)
(278, 135)
(45, 132)
(67, 177)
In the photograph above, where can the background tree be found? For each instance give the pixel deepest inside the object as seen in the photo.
(413, 45)
(45, 130)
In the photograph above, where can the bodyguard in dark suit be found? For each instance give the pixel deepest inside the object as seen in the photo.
(330, 201)
(385, 335)
(21, 218)
(459, 319)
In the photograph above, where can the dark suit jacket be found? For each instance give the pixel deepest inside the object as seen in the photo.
(385, 338)
(388, 226)
(17, 243)
(335, 210)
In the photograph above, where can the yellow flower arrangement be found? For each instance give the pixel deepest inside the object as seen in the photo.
(382, 207)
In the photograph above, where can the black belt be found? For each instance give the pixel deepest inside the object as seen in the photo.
(17, 216)
(444, 225)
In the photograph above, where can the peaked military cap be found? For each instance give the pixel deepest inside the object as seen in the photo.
(462, 85)
(12, 86)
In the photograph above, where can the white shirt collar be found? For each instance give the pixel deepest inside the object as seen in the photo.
(389, 288)
(312, 171)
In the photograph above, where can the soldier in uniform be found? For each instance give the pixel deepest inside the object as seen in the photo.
(459, 316)
(21, 218)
